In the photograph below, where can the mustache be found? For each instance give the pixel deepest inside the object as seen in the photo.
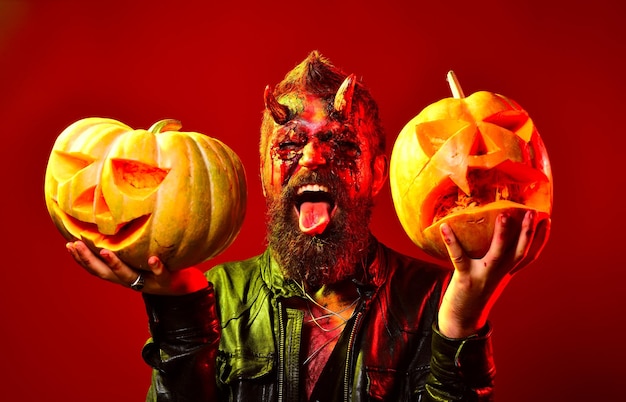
(326, 178)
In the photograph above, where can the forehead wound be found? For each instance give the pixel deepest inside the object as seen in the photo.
(306, 106)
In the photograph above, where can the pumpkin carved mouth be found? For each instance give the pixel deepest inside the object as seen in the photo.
(486, 188)
(473, 215)
(126, 233)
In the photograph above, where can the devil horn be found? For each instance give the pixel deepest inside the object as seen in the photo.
(343, 98)
(280, 112)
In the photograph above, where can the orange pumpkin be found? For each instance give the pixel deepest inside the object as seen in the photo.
(464, 160)
(178, 195)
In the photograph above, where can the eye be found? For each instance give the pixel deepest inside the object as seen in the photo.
(288, 150)
(289, 142)
(326, 136)
(349, 148)
(289, 145)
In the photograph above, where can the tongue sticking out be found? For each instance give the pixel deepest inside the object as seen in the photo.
(314, 217)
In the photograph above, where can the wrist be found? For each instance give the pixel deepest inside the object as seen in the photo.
(456, 325)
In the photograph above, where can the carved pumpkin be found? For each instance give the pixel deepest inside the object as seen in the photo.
(178, 195)
(464, 160)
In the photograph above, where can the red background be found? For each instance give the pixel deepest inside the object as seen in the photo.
(66, 336)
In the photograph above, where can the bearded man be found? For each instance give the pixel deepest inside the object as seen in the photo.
(326, 313)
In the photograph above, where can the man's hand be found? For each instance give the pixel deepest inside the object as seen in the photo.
(159, 280)
(477, 283)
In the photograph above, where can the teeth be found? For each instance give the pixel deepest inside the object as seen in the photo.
(312, 187)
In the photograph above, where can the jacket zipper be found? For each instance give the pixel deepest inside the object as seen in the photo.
(362, 307)
(281, 351)
(347, 374)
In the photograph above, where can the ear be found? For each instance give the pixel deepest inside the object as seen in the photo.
(380, 170)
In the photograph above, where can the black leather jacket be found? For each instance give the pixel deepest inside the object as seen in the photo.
(391, 350)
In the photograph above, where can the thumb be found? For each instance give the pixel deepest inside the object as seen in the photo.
(156, 266)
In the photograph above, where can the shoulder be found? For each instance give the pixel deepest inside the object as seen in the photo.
(402, 267)
(235, 270)
(237, 279)
(412, 284)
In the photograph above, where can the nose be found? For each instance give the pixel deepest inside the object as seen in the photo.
(313, 155)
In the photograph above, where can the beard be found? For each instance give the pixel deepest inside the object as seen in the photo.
(337, 254)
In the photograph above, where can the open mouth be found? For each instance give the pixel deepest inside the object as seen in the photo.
(314, 206)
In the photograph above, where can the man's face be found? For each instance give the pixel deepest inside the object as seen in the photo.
(320, 176)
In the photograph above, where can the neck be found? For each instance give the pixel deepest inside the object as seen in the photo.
(336, 293)
(330, 306)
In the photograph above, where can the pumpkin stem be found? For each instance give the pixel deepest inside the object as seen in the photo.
(165, 125)
(455, 87)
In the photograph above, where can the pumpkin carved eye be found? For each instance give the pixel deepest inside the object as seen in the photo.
(65, 165)
(136, 178)
(463, 161)
(509, 120)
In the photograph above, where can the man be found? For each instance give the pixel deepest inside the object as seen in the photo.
(326, 312)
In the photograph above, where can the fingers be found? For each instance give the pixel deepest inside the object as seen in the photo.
(160, 277)
(108, 266)
(515, 244)
(524, 241)
(537, 242)
(526, 235)
(502, 241)
(124, 275)
(84, 257)
(156, 266)
(455, 251)
(158, 280)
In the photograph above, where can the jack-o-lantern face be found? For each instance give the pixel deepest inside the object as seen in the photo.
(178, 195)
(463, 161)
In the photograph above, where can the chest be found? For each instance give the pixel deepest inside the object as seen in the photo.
(322, 328)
